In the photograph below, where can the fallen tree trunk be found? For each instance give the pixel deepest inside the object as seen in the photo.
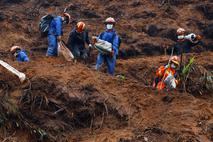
(21, 76)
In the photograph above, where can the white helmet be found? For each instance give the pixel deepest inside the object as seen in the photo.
(68, 17)
(181, 31)
(110, 20)
(15, 48)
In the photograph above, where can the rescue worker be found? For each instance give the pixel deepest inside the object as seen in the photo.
(55, 33)
(77, 39)
(110, 36)
(19, 53)
(186, 42)
(166, 75)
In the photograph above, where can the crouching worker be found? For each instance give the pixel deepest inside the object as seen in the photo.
(19, 53)
(166, 75)
(55, 33)
(110, 36)
(77, 39)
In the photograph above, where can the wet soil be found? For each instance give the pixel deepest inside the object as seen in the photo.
(71, 102)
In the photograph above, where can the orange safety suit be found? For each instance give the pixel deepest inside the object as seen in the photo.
(161, 74)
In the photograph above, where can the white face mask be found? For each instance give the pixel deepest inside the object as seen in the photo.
(181, 37)
(109, 26)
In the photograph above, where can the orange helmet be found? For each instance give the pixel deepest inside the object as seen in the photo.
(13, 49)
(181, 31)
(80, 27)
(110, 20)
(175, 60)
(68, 17)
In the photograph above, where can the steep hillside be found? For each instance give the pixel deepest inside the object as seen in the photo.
(71, 102)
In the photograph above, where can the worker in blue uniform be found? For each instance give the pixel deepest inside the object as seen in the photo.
(19, 53)
(55, 33)
(111, 36)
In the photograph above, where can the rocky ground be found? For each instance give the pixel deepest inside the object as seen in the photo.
(71, 102)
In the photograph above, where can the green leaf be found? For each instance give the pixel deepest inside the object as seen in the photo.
(187, 67)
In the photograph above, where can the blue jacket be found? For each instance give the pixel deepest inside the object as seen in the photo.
(111, 37)
(22, 56)
(56, 26)
(78, 39)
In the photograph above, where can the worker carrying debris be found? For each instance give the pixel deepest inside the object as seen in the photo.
(186, 42)
(77, 39)
(166, 75)
(51, 26)
(19, 54)
(110, 36)
(102, 46)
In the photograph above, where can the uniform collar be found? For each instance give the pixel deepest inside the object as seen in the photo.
(113, 30)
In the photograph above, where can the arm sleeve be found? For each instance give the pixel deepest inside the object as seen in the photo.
(71, 40)
(198, 43)
(160, 71)
(192, 38)
(115, 44)
(194, 44)
(188, 37)
(201, 43)
(24, 57)
(58, 22)
(87, 38)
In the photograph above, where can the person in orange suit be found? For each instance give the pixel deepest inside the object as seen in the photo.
(166, 75)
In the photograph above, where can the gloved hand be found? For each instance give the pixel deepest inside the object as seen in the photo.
(89, 49)
(59, 38)
(90, 46)
(198, 37)
(94, 40)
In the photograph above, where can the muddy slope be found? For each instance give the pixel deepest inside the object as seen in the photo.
(72, 102)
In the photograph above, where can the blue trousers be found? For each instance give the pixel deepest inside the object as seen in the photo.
(110, 61)
(52, 45)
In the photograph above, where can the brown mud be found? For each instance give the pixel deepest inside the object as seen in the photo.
(71, 102)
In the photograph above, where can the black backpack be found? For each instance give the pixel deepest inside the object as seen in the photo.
(44, 24)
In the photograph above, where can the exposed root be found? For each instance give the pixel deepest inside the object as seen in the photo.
(199, 81)
(45, 99)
